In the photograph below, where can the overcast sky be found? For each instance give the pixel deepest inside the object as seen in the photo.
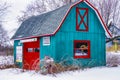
(14, 11)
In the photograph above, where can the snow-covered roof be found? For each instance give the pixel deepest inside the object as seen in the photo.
(49, 23)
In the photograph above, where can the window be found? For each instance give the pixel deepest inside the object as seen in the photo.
(33, 50)
(81, 49)
(46, 41)
(82, 19)
(19, 53)
(30, 49)
(36, 49)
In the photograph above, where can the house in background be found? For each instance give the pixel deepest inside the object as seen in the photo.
(75, 30)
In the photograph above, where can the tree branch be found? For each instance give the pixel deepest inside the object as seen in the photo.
(111, 39)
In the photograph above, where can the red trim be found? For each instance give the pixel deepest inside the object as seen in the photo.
(100, 18)
(82, 19)
(65, 18)
(77, 27)
(82, 41)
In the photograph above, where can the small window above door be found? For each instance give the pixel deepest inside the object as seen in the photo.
(32, 50)
(36, 49)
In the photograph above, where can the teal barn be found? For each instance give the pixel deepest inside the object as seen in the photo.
(75, 31)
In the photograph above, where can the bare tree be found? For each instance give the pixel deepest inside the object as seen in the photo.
(3, 36)
(3, 10)
(110, 11)
(116, 13)
(41, 6)
(5, 45)
(4, 39)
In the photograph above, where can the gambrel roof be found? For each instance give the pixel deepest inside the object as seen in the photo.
(49, 23)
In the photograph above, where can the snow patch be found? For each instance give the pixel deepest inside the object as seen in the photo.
(6, 60)
(99, 73)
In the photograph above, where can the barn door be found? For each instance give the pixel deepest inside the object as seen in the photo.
(31, 55)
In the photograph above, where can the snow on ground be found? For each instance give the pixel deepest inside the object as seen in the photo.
(98, 73)
(113, 57)
(6, 60)
(114, 53)
(101, 73)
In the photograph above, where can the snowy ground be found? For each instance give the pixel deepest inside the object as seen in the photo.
(102, 73)
(116, 53)
(98, 73)
(113, 58)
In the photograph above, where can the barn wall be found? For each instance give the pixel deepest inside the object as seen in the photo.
(65, 37)
(48, 50)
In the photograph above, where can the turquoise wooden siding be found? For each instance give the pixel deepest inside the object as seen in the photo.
(48, 50)
(65, 37)
(17, 43)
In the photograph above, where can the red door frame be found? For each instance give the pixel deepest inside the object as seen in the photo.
(31, 59)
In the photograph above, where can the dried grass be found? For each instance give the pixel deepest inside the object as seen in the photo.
(8, 66)
(112, 48)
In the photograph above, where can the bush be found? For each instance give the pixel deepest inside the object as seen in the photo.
(50, 67)
(8, 66)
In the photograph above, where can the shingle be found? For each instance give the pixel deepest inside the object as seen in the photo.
(42, 24)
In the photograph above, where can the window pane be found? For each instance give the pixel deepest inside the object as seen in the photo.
(80, 52)
(36, 49)
(30, 49)
(81, 45)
